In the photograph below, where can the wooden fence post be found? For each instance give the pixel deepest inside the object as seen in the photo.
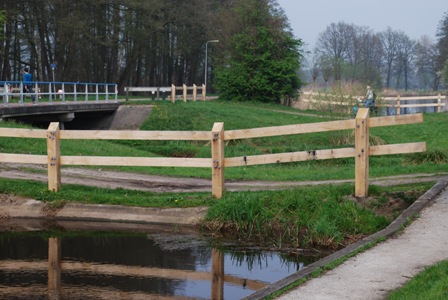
(217, 275)
(184, 92)
(218, 160)
(173, 93)
(195, 92)
(54, 268)
(203, 92)
(439, 102)
(362, 153)
(54, 157)
(398, 105)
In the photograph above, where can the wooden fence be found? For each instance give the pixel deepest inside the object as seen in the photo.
(218, 136)
(438, 101)
(155, 91)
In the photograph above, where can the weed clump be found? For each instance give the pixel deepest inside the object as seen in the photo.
(320, 217)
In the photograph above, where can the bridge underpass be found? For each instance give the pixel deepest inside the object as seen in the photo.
(72, 115)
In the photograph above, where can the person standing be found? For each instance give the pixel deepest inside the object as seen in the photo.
(27, 82)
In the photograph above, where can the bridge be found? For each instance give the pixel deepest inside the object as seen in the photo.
(73, 104)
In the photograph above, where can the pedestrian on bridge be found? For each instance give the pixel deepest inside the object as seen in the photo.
(27, 79)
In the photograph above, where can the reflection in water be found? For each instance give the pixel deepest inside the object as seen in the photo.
(132, 266)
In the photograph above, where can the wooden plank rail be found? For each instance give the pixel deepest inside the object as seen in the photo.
(136, 135)
(217, 138)
(288, 129)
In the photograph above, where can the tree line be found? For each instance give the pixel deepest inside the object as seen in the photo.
(130, 42)
(387, 59)
(159, 43)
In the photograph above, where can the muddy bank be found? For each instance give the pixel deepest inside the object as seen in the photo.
(15, 208)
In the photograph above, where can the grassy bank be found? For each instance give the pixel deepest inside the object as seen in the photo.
(320, 217)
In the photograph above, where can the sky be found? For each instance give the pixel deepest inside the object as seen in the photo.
(415, 18)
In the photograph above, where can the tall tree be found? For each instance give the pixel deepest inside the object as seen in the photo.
(264, 57)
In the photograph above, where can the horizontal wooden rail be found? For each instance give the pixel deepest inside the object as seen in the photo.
(413, 98)
(136, 135)
(321, 154)
(110, 134)
(396, 120)
(397, 149)
(318, 127)
(23, 158)
(288, 129)
(136, 161)
(288, 157)
(23, 133)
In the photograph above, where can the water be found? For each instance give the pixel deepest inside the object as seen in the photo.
(142, 264)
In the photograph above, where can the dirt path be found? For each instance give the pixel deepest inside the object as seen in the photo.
(154, 183)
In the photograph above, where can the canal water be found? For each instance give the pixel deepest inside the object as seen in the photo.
(140, 264)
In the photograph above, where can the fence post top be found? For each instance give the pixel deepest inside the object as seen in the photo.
(218, 126)
(363, 113)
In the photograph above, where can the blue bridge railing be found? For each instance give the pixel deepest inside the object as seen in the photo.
(21, 92)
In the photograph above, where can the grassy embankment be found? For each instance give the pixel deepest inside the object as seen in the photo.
(301, 217)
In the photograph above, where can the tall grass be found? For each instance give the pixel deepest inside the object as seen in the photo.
(309, 216)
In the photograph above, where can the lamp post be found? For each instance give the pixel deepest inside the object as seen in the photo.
(205, 71)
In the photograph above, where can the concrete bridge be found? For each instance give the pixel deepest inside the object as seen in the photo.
(75, 105)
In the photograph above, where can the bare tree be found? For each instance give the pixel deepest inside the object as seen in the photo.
(389, 39)
(333, 43)
(405, 57)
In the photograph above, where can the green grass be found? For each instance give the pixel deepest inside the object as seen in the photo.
(432, 283)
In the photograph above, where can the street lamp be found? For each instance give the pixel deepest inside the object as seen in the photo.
(205, 71)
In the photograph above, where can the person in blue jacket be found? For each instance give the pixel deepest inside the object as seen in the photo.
(27, 82)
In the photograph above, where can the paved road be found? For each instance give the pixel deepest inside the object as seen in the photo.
(374, 273)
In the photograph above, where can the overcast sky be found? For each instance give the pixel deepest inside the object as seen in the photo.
(414, 17)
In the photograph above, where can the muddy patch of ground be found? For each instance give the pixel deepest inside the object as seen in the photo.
(155, 183)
